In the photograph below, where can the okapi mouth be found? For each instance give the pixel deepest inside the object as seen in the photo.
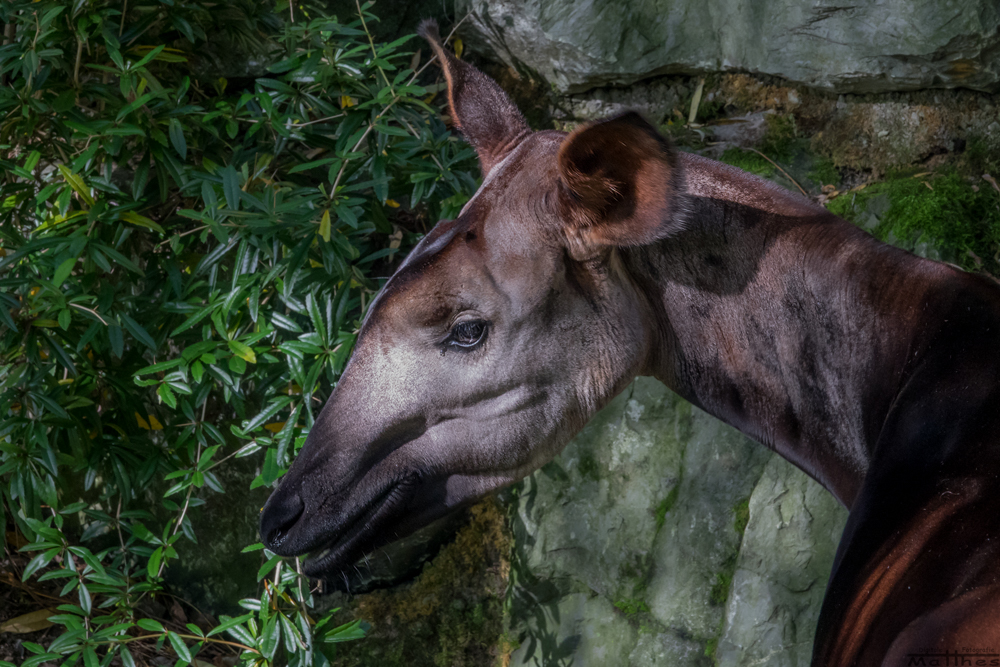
(359, 533)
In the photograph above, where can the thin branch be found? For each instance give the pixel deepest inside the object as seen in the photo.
(776, 166)
(76, 66)
(92, 312)
(371, 43)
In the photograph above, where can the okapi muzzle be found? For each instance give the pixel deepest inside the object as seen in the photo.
(586, 259)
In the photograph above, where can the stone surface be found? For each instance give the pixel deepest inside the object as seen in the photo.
(660, 536)
(866, 46)
(781, 572)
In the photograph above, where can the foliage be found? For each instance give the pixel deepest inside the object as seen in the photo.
(185, 262)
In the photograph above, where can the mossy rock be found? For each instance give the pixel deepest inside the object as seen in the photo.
(451, 615)
(941, 215)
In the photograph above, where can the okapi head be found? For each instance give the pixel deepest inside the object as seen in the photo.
(500, 335)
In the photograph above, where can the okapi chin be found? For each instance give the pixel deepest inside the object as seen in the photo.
(586, 259)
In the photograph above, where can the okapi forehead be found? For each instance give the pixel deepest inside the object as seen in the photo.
(419, 272)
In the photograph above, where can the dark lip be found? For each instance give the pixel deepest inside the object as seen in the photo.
(341, 551)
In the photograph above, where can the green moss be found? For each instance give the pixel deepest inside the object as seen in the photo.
(667, 504)
(724, 577)
(941, 210)
(710, 647)
(631, 607)
(723, 582)
(982, 156)
(780, 138)
(824, 173)
(741, 516)
(748, 161)
(452, 614)
(588, 466)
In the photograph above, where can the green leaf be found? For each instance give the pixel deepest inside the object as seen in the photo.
(84, 595)
(194, 319)
(141, 177)
(140, 220)
(292, 639)
(324, 226)
(346, 632)
(117, 340)
(117, 257)
(166, 394)
(62, 273)
(90, 657)
(32, 160)
(35, 564)
(269, 638)
(273, 408)
(179, 646)
(269, 565)
(162, 366)
(149, 56)
(243, 351)
(153, 565)
(177, 138)
(77, 184)
(129, 108)
(285, 322)
(149, 625)
(241, 634)
(231, 186)
(139, 332)
(317, 317)
(237, 365)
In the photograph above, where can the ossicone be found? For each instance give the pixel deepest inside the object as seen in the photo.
(481, 111)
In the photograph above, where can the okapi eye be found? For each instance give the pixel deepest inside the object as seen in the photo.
(467, 334)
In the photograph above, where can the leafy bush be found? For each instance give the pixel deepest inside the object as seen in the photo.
(185, 260)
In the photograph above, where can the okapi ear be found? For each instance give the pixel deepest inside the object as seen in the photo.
(480, 109)
(619, 178)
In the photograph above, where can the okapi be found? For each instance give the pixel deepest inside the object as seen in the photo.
(586, 259)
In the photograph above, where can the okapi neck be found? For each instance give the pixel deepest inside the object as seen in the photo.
(783, 320)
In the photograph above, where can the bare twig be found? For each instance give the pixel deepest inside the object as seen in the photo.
(79, 56)
(371, 43)
(696, 101)
(776, 166)
(92, 312)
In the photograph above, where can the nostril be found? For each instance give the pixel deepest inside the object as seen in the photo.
(280, 513)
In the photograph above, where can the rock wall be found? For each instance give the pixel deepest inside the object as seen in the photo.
(660, 536)
(863, 46)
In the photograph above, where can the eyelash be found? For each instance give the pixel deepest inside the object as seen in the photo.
(467, 335)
